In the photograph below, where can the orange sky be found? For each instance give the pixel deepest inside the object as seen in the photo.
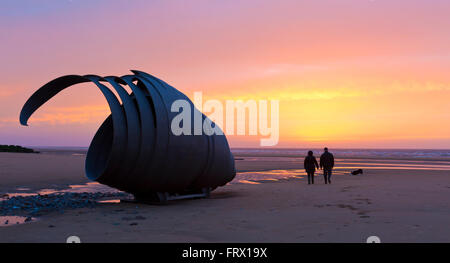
(347, 73)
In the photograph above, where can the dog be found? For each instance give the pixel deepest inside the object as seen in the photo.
(356, 172)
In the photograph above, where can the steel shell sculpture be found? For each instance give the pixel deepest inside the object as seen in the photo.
(134, 150)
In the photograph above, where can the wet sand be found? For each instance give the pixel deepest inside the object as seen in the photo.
(40, 170)
(398, 205)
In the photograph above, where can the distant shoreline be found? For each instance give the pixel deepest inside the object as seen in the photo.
(16, 149)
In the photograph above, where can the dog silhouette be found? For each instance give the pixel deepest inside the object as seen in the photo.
(356, 172)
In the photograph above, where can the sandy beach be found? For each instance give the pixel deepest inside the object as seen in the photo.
(397, 205)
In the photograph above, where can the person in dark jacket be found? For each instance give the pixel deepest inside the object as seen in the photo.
(310, 166)
(327, 164)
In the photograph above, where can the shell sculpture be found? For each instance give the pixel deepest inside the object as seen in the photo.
(135, 150)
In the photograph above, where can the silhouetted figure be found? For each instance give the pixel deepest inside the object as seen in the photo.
(327, 164)
(310, 166)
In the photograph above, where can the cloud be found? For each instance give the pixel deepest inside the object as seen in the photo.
(327, 90)
(64, 115)
(5, 93)
(277, 69)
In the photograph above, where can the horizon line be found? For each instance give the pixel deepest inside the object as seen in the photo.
(273, 148)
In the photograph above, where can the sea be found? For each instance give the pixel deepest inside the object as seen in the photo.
(350, 153)
(420, 154)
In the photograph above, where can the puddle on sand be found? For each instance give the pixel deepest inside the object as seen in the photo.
(112, 201)
(23, 189)
(15, 220)
(274, 175)
(270, 175)
(247, 182)
(91, 187)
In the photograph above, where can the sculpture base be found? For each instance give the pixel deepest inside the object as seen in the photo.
(159, 198)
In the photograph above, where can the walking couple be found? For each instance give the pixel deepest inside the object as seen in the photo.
(326, 163)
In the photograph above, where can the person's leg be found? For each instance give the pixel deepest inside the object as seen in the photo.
(325, 176)
(309, 177)
(312, 177)
(329, 176)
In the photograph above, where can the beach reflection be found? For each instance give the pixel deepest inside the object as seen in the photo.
(267, 176)
(272, 175)
(111, 201)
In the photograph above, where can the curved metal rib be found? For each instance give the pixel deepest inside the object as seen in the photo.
(147, 128)
(133, 128)
(119, 135)
(47, 92)
(162, 138)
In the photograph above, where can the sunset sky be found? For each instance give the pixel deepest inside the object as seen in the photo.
(347, 73)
